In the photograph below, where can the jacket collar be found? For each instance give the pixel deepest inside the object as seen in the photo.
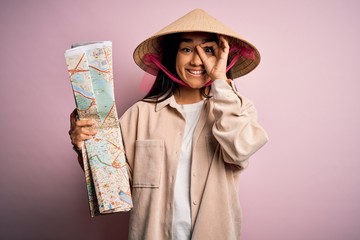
(169, 101)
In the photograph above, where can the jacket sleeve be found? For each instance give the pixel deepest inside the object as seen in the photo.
(236, 127)
(128, 123)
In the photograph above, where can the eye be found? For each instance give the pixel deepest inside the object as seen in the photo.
(209, 50)
(185, 50)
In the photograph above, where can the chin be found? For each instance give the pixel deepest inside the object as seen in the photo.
(197, 83)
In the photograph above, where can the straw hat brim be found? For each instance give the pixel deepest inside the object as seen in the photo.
(197, 21)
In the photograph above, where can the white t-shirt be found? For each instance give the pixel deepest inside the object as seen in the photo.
(182, 210)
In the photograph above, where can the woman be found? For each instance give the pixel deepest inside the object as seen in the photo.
(187, 141)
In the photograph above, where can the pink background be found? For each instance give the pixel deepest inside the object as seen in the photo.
(304, 184)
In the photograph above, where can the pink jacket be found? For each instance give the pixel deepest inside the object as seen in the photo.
(226, 135)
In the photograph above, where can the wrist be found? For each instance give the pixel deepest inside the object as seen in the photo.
(223, 79)
(77, 149)
(219, 77)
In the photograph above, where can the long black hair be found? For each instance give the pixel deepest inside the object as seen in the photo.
(164, 87)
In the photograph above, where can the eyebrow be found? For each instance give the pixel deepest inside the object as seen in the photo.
(189, 40)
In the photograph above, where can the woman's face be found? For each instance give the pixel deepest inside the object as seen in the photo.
(189, 66)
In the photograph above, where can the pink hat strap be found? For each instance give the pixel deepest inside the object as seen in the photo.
(238, 50)
(155, 59)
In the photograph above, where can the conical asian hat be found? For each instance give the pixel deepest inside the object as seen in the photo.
(198, 21)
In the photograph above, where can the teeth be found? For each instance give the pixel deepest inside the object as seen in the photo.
(196, 72)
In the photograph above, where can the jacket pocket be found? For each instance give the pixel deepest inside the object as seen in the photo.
(149, 155)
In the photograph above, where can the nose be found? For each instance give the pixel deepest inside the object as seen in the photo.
(195, 60)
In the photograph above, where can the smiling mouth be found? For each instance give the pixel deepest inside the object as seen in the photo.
(196, 72)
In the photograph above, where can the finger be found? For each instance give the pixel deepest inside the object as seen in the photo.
(209, 45)
(224, 44)
(208, 61)
(85, 123)
(223, 39)
(206, 50)
(77, 132)
(83, 137)
(78, 140)
(88, 131)
(200, 51)
(73, 117)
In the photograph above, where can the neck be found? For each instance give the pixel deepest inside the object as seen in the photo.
(187, 95)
